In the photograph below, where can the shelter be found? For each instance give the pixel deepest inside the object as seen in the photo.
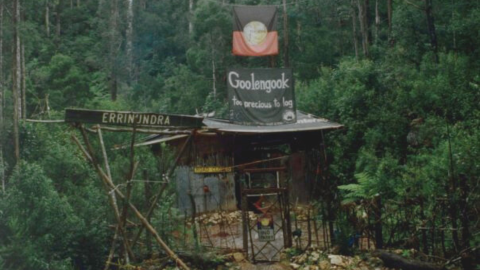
(225, 158)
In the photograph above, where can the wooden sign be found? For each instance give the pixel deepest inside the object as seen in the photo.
(212, 169)
(132, 118)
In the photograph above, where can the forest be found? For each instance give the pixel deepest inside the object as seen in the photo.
(402, 76)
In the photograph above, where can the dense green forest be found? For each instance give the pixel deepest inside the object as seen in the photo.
(402, 76)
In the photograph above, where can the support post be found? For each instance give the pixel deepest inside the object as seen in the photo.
(142, 219)
(164, 185)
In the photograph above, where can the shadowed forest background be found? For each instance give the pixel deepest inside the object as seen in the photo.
(402, 76)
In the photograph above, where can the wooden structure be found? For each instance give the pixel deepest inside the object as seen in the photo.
(229, 167)
(219, 166)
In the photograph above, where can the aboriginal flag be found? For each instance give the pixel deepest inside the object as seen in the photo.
(255, 30)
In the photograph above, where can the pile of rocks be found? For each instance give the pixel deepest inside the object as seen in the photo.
(316, 259)
(223, 217)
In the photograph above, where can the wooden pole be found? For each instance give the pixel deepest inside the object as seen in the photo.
(245, 221)
(147, 188)
(112, 249)
(164, 185)
(285, 35)
(128, 183)
(139, 215)
(113, 199)
(111, 195)
(140, 130)
(378, 222)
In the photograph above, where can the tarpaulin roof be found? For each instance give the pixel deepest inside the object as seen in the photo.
(305, 122)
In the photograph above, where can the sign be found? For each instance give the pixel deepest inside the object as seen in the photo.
(255, 30)
(261, 96)
(266, 232)
(212, 169)
(131, 118)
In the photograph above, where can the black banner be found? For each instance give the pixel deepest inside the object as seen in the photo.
(132, 118)
(261, 96)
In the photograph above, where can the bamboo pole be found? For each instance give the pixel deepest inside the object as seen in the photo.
(111, 196)
(113, 202)
(128, 182)
(164, 185)
(114, 198)
(44, 121)
(112, 249)
(142, 130)
(142, 219)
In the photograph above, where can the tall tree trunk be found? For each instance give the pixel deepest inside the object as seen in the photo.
(377, 21)
(431, 27)
(23, 72)
(451, 193)
(23, 82)
(467, 261)
(129, 37)
(368, 21)
(299, 30)
(47, 17)
(286, 62)
(190, 20)
(354, 30)
(362, 19)
(213, 73)
(2, 167)
(390, 14)
(16, 86)
(113, 48)
(58, 11)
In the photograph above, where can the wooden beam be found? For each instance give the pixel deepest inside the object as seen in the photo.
(260, 170)
(139, 215)
(164, 186)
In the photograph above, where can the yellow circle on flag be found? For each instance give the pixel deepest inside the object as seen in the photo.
(265, 221)
(255, 33)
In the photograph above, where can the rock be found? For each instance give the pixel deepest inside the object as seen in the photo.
(294, 265)
(324, 265)
(340, 260)
(238, 257)
(314, 256)
(301, 259)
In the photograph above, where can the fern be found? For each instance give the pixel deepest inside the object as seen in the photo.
(359, 191)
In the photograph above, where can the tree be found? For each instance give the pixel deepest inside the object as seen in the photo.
(17, 79)
(2, 97)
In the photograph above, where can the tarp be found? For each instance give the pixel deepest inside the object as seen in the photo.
(261, 96)
(305, 122)
(255, 31)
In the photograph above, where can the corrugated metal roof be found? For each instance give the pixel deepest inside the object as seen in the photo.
(305, 122)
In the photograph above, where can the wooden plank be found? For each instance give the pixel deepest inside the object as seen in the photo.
(212, 169)
(132, 118)
(261, 170)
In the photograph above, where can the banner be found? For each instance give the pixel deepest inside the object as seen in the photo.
(261, 96)
(255, 30)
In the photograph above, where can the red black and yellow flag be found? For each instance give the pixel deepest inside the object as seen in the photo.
(255, 30)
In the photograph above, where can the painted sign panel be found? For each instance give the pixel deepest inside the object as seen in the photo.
(265, 228)
(261, 96)
(212, 169)
(131, 118)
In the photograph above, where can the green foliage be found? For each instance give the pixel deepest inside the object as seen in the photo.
(411, 123)
(38, 225)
